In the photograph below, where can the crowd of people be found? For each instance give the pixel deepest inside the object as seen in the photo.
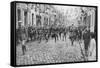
(28, 34)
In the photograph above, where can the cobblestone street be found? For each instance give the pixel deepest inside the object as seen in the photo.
(50, 52)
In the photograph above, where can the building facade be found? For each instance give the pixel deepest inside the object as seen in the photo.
(37, 15)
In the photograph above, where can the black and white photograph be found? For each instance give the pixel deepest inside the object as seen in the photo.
(52, 33)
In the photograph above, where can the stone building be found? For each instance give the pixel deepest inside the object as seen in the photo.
(91, 19)
(87, 17)
(21, 15)
(37, 15)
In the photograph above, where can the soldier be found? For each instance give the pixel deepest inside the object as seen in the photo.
(64, 34)
(60, 32)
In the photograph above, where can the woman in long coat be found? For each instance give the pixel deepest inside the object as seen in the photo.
(92, 49)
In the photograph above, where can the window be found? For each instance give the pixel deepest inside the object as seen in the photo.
(19, 14)
(25, 18)
(32, 19)
(38, 20)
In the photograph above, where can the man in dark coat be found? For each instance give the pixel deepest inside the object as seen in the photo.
(86, 38)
